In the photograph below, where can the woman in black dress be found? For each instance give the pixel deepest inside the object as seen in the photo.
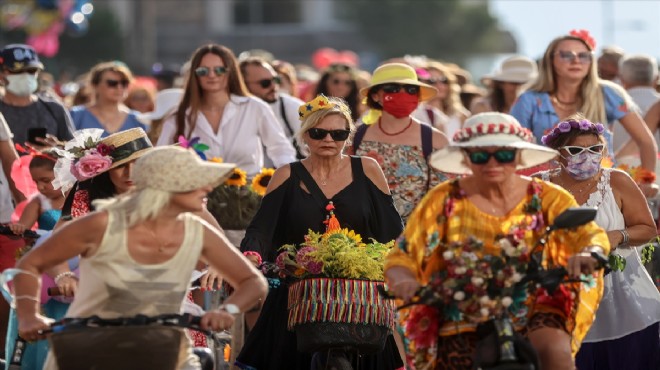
(295, 203)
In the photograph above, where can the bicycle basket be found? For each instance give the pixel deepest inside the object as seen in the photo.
(120, 347)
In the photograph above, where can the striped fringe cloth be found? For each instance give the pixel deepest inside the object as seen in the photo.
(338, 300)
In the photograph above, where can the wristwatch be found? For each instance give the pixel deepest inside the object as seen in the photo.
(230, 308)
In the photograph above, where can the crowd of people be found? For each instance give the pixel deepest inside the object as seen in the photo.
(110, 176)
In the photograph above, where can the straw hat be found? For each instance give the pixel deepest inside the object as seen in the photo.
(399, 73)
(128, 145)
(175, 169)
(491, 129)
(516, 69)
(166, 102)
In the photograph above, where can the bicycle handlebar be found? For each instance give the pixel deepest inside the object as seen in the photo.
(5, 230)
(179, 320)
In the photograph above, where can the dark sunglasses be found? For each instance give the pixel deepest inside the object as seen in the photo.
(433, 81)
(115, 83)
(395, 88)
(27, 70)
(501, 156)
(575, 150)
(336, 135)
(338, 81)
(584, 57)
(205, 71)
(268, 82)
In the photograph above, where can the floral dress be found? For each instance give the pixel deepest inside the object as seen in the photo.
(406, 171)
(447, 224)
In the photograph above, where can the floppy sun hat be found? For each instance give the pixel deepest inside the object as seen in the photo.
(516, 69)
(399, 73)
(177, 170)
(166, 102)
(491, 129)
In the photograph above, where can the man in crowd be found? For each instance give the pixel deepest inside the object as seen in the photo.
(263, 82)
(608, 63)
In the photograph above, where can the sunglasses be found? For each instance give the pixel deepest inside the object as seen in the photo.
(31, 71)
(395, 88)
(336, 135)
(338, 81)
(583, 57)
(433, 81)
(575, 150)
(268, 82)
(115, 83)
(205, 71)
(501, 156)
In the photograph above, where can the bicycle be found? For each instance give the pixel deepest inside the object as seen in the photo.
(499, 346)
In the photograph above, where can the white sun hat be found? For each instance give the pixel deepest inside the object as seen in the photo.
(491, 129)
(166, 102)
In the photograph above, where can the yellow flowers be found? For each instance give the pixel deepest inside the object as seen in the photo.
(352, 235)
(216, 160)
(238, 178)
(260, 182)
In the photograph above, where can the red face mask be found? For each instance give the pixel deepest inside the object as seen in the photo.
(400, 104)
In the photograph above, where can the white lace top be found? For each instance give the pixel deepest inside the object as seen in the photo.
(631, 301)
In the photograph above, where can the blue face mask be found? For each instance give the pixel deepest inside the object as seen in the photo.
(584, 165)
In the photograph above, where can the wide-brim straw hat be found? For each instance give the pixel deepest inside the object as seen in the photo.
(175, 169)
(399, 73)
(491, 129)
(516, 69)
(129, 145)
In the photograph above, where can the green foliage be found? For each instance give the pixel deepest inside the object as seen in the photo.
(233, 206)
(647, 251)
(437, 28)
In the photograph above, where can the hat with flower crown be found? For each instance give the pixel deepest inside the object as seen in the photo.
(491, 129)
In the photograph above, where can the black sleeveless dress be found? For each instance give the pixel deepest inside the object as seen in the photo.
(285, 216)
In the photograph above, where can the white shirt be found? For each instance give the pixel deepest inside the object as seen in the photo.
(247, 123)
(644, 97)
(439, 119)
(292, 122)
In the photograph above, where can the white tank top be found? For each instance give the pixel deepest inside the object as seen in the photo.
(631, 302)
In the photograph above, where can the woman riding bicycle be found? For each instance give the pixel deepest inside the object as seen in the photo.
(493, 211)
(138, 252)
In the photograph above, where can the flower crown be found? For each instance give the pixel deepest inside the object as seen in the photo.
(482, 129)
(585, 36)
(319, 103)
(569, 125)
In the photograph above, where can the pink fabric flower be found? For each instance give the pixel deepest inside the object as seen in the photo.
(90, 165)
(307, 262)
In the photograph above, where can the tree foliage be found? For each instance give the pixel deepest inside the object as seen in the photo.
(448, 29)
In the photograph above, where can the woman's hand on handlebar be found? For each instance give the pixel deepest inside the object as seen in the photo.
(67, 286)
(17, 229)
(217, 320)
(29, 327)
(581, 263)
(402, 283)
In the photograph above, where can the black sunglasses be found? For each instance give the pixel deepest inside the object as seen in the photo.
(268, 82)
(205, 71)
(116, 83)
(336, 135)
(395, 88)
(501, 156)
(433, 81)
(27, 70)
(338, 81)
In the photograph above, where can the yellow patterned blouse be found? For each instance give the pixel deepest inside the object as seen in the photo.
(420, 249)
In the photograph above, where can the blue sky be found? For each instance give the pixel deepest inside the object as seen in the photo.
(631, 24)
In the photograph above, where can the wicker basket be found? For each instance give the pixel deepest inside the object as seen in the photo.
(337, 313)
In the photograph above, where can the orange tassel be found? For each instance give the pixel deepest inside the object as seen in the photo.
(227, 352)
(333, 224)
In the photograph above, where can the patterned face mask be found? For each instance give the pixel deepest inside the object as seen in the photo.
(584, 165)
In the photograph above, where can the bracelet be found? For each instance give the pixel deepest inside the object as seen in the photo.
(61, 275)
(28, 297)
(626, 238)
(253, 253)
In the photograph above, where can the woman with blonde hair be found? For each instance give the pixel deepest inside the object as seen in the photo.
(448, 99)
(568, 83)
(109, 82)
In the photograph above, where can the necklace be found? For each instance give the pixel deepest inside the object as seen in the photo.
(564, 105)
(380, 126)
(589, 185)
(161, 245)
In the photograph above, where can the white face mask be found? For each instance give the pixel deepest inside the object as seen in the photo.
(22, 84)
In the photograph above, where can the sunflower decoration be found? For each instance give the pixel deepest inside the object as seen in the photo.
(237, 178)
(260, 182)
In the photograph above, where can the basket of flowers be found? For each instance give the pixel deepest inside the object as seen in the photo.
(334, 300)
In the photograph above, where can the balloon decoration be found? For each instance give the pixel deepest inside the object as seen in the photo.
(323, 57)
(45, 20)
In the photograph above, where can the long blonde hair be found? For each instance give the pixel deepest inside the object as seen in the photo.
(138, 205)
(451, 105)
(591, 90)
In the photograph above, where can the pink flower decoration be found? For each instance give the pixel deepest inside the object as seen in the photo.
(90, 165)
(104, 149)
(308, 263)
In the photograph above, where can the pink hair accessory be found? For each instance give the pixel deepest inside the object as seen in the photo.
(585, 36)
